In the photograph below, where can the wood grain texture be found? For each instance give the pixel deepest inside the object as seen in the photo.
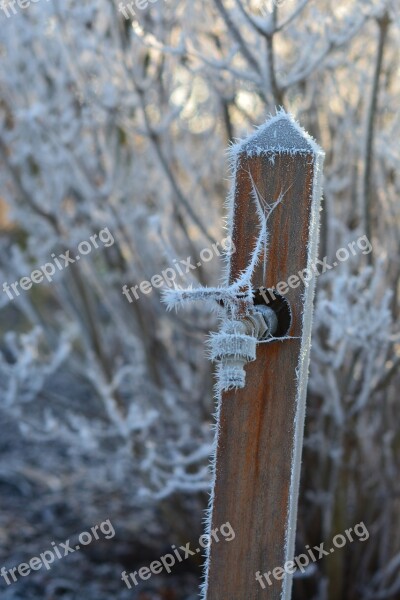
(255, 443)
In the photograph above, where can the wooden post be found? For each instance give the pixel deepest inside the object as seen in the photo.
(261, 426)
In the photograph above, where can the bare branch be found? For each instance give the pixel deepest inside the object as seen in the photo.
(237, 36)
(383, 24)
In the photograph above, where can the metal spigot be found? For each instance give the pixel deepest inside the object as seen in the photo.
(235, 344)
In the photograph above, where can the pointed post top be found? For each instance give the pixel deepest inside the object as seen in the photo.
(280, 134)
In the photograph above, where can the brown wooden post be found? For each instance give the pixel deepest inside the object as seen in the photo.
(261, 426)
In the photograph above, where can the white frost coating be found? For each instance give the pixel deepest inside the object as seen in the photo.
(237, 345)
(302, 372)
(208, 518)
(281, 134)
